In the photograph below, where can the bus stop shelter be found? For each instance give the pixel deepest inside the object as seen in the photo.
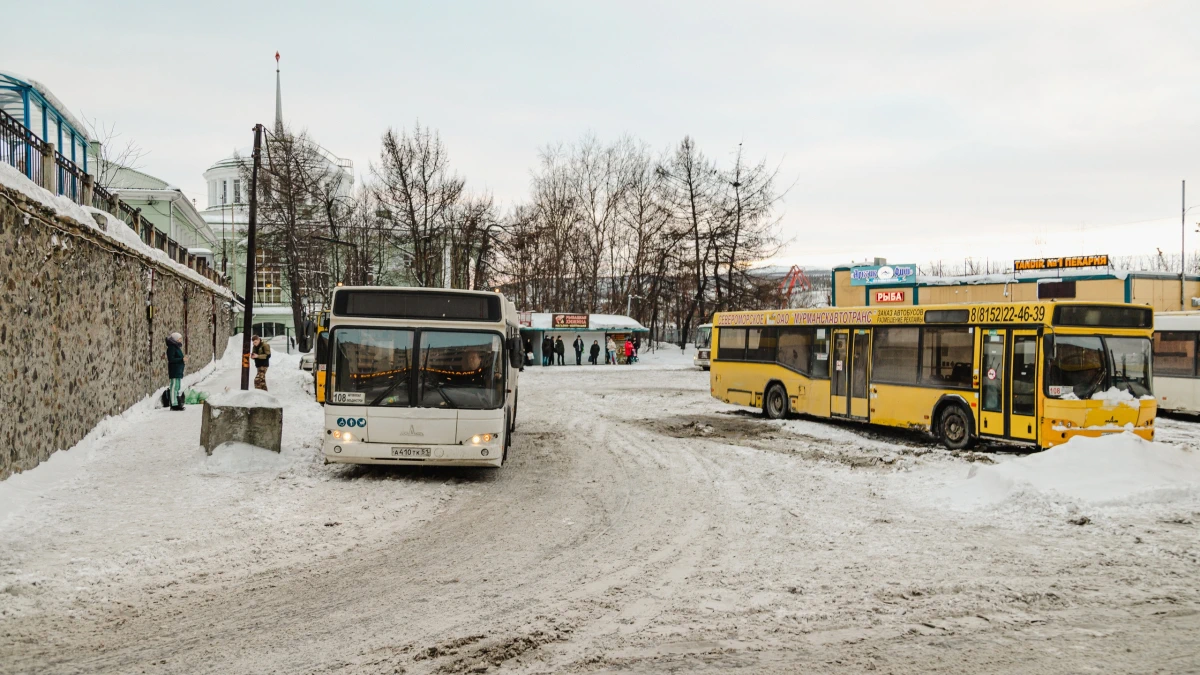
(535, 326)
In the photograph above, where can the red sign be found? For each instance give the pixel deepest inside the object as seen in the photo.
(889, 296)
(569, 321)
(525, 319)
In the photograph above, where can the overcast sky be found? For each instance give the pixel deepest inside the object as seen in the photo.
(911, 131)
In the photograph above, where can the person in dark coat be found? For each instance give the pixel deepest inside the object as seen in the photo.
(594, 355)
(176, 362)
(260, 351)
(578, 344)
(547, 351)
(561, 350)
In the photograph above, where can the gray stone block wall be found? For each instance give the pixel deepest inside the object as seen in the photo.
(76, 344)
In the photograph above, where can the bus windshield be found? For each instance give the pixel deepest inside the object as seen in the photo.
(1079, 367)
(372, 366)
(1131, 364)
(704, 337)
(460, 370)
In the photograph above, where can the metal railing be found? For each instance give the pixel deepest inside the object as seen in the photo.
(22, 149)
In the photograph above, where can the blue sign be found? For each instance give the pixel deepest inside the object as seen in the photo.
(882, 274)
(352, 422)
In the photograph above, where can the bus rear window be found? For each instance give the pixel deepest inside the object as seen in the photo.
(1100, 315)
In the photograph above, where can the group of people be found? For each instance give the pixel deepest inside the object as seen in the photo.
(554, 350)
(177, 362)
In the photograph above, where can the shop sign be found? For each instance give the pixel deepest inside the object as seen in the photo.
(567, 321)
(1069, 262)
(889, 296)
(882, 274)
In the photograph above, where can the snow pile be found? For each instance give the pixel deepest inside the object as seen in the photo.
(251, 398)
(1113, 470)
(116, 230)
(1114, 397)
(230, 458)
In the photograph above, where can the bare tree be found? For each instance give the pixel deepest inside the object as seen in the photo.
(691, 183)
(294, 179)
(112, 154)
(416, 184)
(746, 232)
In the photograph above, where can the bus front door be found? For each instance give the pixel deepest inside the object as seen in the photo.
(1022, 421)
(839, 374)
(1008, 384)
(992, 397)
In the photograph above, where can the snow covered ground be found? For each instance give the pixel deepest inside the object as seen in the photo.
(640, 526)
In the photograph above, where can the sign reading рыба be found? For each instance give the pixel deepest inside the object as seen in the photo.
(1060, 263)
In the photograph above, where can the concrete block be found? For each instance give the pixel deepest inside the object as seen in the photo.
(253, 417)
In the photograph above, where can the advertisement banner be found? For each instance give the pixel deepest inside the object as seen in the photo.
(569, 321)
(882, 274)
(1069, 262)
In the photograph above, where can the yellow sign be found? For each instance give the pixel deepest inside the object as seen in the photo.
(1060, 263)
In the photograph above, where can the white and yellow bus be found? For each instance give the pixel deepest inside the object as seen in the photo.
(703, 346)
(1176, 362)
(421, 376)
(1033, 373)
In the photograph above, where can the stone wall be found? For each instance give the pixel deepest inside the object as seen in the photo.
(83, 326)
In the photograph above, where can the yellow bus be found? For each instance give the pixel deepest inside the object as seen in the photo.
(321, 349)
(1031, 373)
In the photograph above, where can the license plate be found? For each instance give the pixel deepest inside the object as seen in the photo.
(410, 452)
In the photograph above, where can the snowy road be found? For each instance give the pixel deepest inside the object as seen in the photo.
(640, 527)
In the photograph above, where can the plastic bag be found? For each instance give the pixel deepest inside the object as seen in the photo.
(193, 397)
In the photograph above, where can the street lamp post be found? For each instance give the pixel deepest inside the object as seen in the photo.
(629, 302)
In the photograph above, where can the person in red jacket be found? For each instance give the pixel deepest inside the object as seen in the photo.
(628, 350)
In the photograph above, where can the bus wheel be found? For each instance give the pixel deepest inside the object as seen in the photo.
(954, 428)
(775, 403)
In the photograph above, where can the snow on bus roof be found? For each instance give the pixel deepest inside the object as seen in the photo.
(544, 321)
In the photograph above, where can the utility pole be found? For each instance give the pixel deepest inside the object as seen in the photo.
(1182, 245)
(248, 319)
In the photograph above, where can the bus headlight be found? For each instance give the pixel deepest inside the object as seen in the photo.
(348, 437)
(482, 438)
(337, 433)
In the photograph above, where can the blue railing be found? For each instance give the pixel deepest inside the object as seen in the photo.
(21, 148)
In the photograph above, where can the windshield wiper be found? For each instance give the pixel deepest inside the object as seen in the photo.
(388, 391)
(440, 392)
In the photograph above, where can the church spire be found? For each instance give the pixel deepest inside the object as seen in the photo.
(278, 98)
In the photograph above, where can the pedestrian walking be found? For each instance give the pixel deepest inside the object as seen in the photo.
(561, 350)
(628, 351)
(261, 353)
(547, 351)
(176, 361)
(594, 356)
(578, 344)
(611, 348)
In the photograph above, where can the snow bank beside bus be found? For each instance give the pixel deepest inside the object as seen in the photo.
(1113, 470)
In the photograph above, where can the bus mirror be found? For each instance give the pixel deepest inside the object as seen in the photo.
(516, 356)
